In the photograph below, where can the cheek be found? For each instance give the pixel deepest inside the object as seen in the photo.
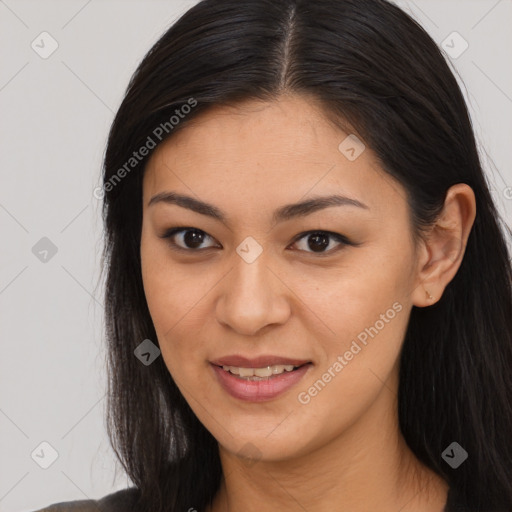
(356, 363)
(170, 292)
(343, 300)
(363, 307)
(172, 297)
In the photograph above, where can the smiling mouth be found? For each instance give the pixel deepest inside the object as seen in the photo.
(262, 373)
(272, 381)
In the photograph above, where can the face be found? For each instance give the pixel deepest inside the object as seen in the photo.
(329, 286)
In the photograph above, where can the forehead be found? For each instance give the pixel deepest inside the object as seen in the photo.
(268, 153)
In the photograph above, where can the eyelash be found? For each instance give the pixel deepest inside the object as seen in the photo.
(169, 234)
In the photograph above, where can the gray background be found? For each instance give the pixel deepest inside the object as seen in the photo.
(55, 115)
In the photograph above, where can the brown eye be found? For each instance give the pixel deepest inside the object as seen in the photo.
(189, 239)
(319, 241)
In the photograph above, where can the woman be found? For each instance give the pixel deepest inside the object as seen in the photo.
(308, 295)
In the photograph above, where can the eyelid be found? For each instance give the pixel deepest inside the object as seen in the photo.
(338, 237)
(342, 241)
(169, 233)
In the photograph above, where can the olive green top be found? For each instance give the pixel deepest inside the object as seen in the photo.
(124, 501)
(120, 501)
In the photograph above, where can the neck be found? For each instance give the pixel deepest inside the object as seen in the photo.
(367, 467)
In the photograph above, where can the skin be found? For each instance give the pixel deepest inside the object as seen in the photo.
(344, 446)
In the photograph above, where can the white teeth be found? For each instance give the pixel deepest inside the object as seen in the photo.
(267, 371)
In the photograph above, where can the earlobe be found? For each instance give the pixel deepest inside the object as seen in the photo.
(444, 246)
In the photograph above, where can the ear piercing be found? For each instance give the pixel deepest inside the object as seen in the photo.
(428, 295)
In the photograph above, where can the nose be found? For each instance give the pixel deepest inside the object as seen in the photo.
(252, 297)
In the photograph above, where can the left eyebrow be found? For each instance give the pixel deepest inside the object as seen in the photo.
(281, 214)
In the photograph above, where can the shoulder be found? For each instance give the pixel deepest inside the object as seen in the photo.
(120, 501)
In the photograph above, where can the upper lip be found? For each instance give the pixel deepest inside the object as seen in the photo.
(257, 362)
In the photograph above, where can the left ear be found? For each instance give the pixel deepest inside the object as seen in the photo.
(442, 249)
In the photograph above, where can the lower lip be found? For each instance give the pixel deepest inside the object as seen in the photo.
(259, 390)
